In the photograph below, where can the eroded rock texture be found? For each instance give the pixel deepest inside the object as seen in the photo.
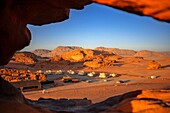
(155, 8)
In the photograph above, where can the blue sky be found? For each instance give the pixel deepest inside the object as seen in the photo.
(98, 25)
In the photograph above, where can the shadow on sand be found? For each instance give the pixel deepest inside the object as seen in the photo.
(166, 66)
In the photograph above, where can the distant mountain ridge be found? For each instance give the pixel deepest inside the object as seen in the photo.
(60, 49)
(166, 53)
(121, 52)
(41, 52)
(149, 54)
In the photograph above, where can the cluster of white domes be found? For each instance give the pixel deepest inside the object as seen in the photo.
(59, 72)
(71, 72)
(82, 73)
(91, 74)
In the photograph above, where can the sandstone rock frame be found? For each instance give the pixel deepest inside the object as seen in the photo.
(16, 14)
(14, 35)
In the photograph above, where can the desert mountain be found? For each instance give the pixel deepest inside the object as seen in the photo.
(41, 52)
(60, 49)
(167, 53)
(149, 54)
(121, 52)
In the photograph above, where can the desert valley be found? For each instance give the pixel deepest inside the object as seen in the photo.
(81, 78)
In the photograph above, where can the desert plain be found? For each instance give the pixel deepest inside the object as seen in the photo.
(72, 79)
(132, 71)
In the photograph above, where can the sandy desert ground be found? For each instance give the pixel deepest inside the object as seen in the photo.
(97, 90)
(93, 81)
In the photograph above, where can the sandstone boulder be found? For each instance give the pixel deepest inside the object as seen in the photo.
(13, 75)
(93, 64)
(75, 55)
(154, 65)
(78, 55)
(56, 58)
(141, 101)
(147, 101)
(100, 61)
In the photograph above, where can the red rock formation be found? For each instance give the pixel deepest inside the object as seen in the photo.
(100, 61)
(12, 75)
(56, 58)
(154, 65)
(148, 101)
(83, 55)
(61, 49)
(25, 57)
(77, 55)
(156, 9)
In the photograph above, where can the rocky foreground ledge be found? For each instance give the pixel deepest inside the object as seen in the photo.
(143, 101)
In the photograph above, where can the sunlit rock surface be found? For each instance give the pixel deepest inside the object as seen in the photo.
(61, 49)
(26, 57)
(157, 9)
